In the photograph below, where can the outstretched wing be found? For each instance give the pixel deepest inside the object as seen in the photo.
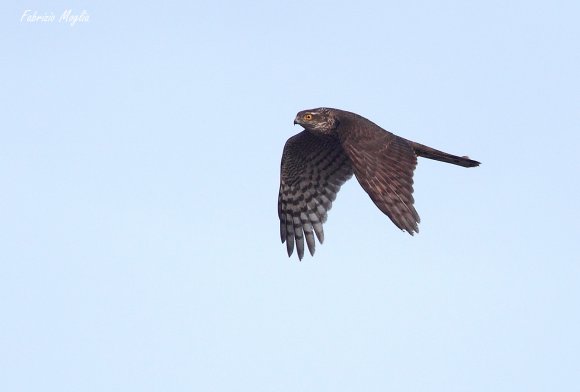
(383, 164)
(312, 171)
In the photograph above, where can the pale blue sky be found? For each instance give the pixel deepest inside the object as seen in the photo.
(139, 163)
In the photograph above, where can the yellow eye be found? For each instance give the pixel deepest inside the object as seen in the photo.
(307, 117)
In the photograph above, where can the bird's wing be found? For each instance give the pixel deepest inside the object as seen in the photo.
(312, 171)
(383, 164)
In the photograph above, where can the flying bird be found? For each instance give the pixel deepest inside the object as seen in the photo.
(334, 145)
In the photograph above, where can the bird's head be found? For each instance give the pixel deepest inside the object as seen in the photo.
(321, 120)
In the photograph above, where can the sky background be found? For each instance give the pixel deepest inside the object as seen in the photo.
(139, 172)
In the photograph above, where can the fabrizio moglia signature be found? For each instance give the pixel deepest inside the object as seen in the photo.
(66, 17)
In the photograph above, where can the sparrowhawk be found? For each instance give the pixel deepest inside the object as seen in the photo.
(334, 145)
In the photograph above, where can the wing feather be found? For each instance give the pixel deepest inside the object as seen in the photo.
(312, 171)
(383, 164)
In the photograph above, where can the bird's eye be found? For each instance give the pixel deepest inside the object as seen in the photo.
(307, 117)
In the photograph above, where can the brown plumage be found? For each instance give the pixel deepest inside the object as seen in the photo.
(334, 145)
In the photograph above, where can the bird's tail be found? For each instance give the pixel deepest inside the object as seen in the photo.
(431, 153)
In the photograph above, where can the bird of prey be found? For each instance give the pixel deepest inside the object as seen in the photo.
(333, 145)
